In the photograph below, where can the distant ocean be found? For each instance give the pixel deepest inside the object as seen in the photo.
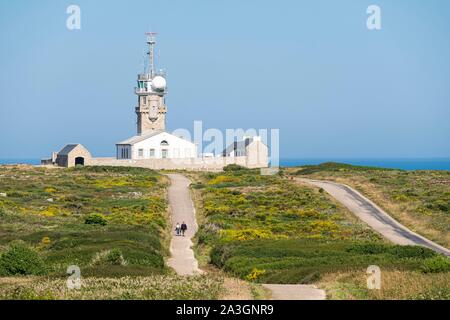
(20, 161)
(405, 164)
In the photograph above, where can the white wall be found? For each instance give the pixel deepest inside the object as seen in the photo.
(177, 148)
(257, 153)
(201, 164)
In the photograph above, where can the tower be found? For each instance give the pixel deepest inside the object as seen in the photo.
(151, 89)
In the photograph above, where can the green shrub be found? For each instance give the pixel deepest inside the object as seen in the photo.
(436, 264)
(233, 167)
(336, 167)
(367, 248)
(396, 250)
(19, 259)
(306, 260)
(412, 252)
(109, 257)
(220, 254)
(207, 233)
(110, 169)
(115, 257)
(95, 219)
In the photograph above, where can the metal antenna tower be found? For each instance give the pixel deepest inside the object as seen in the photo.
(151, 41)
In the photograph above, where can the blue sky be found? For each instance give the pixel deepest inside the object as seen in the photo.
(309, 68)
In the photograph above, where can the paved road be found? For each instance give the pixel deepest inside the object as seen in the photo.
(182, 258)
(374, 216)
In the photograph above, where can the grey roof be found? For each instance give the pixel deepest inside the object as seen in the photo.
(237, 147)
(136, 139)
(67, 149)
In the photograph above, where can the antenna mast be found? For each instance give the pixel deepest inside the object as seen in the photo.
(151, 41)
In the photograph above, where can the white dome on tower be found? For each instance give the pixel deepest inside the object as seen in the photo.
(159, 83)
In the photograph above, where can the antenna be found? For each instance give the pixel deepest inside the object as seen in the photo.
(144, 61)
(151, 41)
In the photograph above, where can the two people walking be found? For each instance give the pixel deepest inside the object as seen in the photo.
(180, 230)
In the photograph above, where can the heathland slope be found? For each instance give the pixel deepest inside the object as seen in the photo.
(110, 222)
(270, 229)
(418, 199)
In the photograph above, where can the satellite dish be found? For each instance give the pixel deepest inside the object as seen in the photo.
(159, 84)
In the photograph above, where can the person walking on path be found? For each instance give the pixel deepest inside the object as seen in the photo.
(177, 229)
(183, 228)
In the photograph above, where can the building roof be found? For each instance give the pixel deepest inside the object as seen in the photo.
(67, 149)
(136, 139)
(238, 147)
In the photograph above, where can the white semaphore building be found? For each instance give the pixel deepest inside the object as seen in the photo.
(152, 141)
(152, 146)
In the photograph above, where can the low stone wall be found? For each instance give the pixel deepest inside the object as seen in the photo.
(201, 164)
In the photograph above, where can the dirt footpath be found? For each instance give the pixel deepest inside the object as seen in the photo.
(182, 209)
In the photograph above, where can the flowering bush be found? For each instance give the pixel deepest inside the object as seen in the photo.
(255, 274)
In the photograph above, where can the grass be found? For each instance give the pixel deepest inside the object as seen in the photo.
(267, 229)
(264, 222)
(47, 209)
(418, 199)
(112, 223)
(395, 285)
(155, 287)
(251, 206)
(307, 260)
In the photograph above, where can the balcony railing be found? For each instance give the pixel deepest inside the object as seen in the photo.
(148, 91)
(146, 76)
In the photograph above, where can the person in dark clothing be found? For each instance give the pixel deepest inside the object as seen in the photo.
(183, 228)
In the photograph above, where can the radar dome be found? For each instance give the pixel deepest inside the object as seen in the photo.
(158, 83)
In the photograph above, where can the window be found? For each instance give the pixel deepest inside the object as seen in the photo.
(140, 153)
(144, 100)
(124, 153)
(164, 143)
(152, 153)
(164, 153)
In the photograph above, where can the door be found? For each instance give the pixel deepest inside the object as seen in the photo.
(79, 161)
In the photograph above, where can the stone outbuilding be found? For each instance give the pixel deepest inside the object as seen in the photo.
(252, 148)
(72, 155)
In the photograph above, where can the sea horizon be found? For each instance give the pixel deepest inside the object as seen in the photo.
(388, 163)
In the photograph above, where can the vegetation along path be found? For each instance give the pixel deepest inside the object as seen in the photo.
(183, 260)
(374, 216)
